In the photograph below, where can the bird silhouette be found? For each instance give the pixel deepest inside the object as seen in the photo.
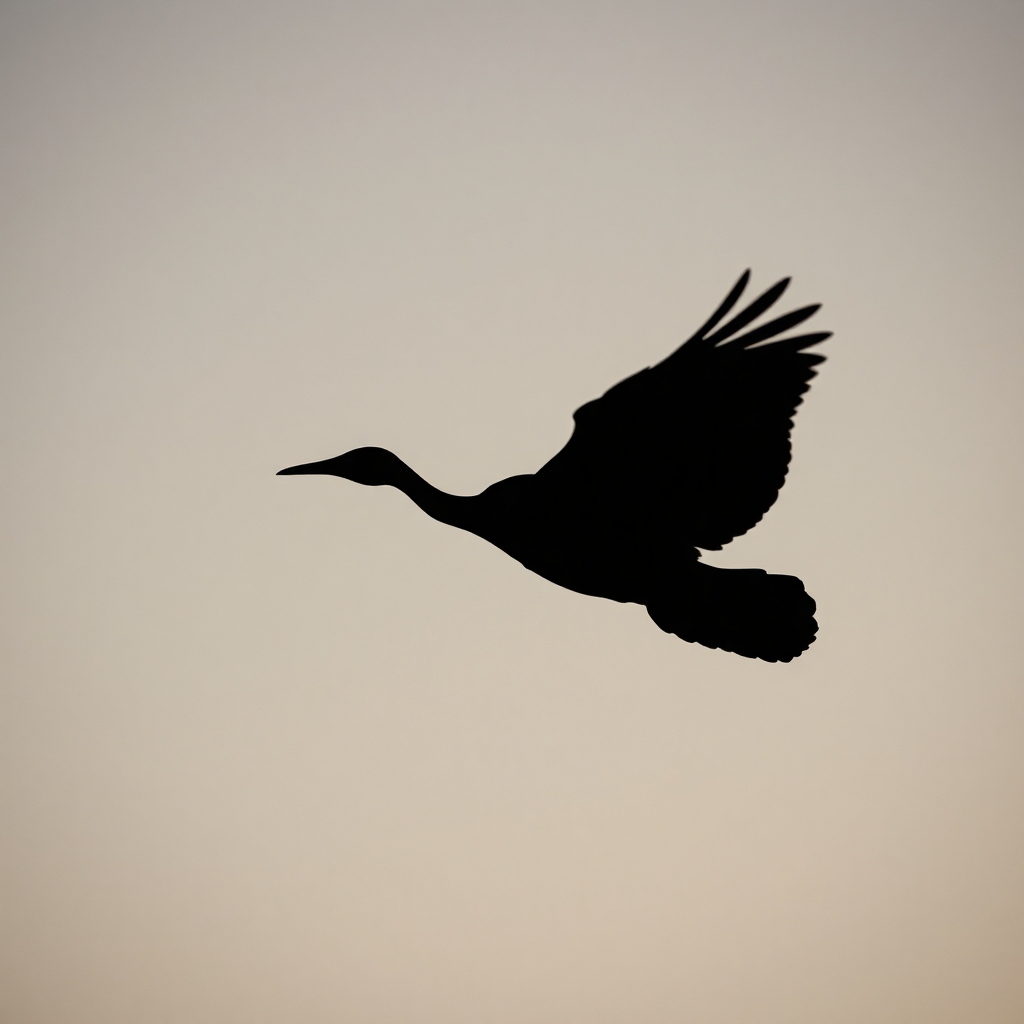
(687, 454)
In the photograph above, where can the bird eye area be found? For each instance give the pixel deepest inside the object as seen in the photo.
(371, 466)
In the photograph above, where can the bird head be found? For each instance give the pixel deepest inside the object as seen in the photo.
(371, 466)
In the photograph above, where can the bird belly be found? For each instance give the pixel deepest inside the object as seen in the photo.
(592, 545)
(604, 563)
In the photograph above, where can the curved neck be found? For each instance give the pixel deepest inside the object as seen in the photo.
(453, 509)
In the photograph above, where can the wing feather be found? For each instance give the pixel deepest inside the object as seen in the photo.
(751, 313)
(727, 303)
(774, 327)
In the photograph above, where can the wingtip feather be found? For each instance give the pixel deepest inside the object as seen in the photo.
(724, 307)
(762, 303)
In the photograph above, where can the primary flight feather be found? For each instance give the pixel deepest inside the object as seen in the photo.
(686, 454)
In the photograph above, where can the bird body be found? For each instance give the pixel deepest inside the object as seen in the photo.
(684, 455)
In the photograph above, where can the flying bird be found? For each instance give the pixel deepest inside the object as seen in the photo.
(685, 455)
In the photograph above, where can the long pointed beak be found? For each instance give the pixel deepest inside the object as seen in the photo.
(309, 469)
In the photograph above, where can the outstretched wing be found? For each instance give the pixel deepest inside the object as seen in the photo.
(697, 445)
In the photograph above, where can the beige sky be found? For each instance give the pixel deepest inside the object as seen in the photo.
(285, 750)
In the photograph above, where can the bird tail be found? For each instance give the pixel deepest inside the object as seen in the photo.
(746, 611)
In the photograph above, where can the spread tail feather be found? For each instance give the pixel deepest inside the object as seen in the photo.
(746, 611)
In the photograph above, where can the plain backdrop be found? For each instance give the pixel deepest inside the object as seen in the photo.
(286, 750)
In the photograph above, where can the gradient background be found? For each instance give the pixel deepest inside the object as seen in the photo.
(289, 751)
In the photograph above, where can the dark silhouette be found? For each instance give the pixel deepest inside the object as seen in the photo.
(687, 454)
